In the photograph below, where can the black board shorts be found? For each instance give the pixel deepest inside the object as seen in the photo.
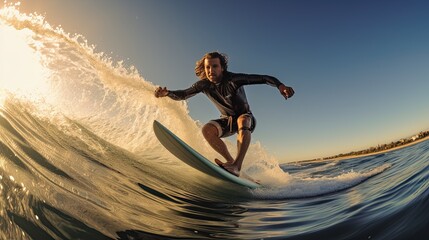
(228, 126)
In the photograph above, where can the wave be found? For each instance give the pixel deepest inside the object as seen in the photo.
(116, 104)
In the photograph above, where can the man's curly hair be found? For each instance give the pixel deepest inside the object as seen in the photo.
(199, 65)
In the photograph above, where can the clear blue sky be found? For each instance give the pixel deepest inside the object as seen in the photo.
(360, 69)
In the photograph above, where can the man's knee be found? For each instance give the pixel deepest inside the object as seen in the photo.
(210, 130)
(244, 121)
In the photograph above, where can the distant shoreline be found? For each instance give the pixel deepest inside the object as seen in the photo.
(380, 152)
(350, 155)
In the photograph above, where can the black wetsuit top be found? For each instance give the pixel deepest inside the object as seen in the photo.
(228, 95)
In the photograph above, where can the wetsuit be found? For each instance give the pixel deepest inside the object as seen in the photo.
(228, 96)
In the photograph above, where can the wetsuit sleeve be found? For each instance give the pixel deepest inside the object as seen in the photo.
(241, 79)
(189, 92)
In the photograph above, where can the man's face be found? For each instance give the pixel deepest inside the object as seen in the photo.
(213, 69)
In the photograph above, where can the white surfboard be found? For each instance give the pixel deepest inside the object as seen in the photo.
(194, 159)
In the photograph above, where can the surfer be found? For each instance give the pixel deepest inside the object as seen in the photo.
(225, 90)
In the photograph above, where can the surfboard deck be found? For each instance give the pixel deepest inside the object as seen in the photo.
(194, 159)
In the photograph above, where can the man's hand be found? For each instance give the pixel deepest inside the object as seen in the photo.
(161, 92)
(286, 92)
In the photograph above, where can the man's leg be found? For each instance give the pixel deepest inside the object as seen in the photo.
(211, 134)
(244, 136)
(244, 123)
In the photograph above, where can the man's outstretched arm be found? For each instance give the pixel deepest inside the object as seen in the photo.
(250, 79)
(181, 94)
(175, 95)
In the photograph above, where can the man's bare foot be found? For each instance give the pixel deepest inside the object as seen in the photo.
(229, 167)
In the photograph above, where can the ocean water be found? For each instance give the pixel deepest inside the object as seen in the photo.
(79, 160)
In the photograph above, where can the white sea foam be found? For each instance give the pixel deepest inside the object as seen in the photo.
(297, 187)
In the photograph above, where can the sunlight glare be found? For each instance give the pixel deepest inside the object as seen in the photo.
(21, 71)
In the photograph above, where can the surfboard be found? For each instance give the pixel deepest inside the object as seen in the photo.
(194, 159)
